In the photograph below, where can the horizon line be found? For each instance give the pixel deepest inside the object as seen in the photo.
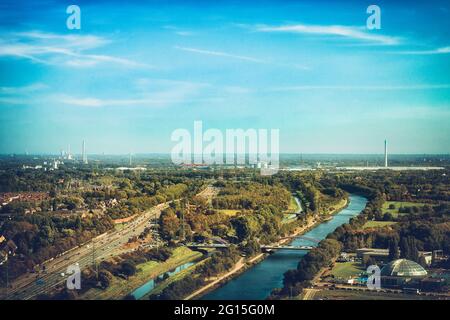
(168, 153)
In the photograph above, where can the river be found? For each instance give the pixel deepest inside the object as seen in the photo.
(258, 282)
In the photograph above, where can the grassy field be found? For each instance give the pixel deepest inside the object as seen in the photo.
(119, 226)
(229, 212)
(336, 207)
(144, 272)
(399, 204)
(345, 270)
(377, 224)
(293, 206)
(162, 285)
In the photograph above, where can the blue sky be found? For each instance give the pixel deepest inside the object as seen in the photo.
(137, 71)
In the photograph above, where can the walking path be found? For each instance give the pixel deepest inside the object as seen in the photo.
(239, 265)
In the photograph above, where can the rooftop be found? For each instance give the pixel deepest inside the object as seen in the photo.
(403, 268)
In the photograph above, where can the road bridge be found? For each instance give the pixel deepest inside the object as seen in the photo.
(268, 247)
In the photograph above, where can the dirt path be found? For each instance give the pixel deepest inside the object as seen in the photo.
(256, 258)
(239, 265)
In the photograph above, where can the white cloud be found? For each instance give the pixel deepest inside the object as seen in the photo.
(355, 33)
(220, 54)
(21, 95)
(243, 58)
(84, 102)
(444, 50)
(357, 87)
(83, 42)
(145, 92)
(55, 49)
(156, 101)
(22, 90)
(178, 31)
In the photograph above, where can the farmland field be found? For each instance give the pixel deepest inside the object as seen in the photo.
(399, 204)
(345, 270)
(377, 224)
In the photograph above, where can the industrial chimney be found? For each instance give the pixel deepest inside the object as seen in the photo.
(385, 154)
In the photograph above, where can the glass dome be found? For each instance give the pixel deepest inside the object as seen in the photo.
(403, 268)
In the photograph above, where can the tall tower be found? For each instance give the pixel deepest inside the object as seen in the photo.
(69, 153)
(385, 154)
(84, 155)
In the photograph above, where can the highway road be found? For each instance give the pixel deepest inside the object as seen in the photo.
(105, 246)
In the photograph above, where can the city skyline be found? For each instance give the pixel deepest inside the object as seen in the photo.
(310, 69)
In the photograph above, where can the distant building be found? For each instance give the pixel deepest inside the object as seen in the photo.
(262, 165)
(344, 257)
(131, 169)
(383, 254)
(83, 152)
(432, 283)
(55, 164)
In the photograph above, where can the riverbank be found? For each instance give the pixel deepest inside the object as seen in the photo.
(315, 220)
(257, 282)
(239, 265)
(240, 268)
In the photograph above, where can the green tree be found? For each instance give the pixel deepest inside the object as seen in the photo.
(169, 224)
(128, 268)
(394, 252)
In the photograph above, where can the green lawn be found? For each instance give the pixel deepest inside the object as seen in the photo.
(162, 285)
(293, 206)
(377, 224)
(399, 204)
(346, 270)
(119, 226)
(229, 212)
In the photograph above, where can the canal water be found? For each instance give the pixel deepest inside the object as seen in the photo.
(150, 285)
(257, 282)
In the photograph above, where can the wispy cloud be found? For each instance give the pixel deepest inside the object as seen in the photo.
(443, 50)
(144, 92)
(82, 42)
(96, 102)
(349, 32)
(243, 58)
(22, 95)
(221, 54)
(148, 102)
(178, 31)
(358, 87)
(23, 90)
(56, 49)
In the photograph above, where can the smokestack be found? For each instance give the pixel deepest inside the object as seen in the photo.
(84, 156)
(385, 154)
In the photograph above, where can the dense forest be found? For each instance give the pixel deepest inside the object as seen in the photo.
(77, 206)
